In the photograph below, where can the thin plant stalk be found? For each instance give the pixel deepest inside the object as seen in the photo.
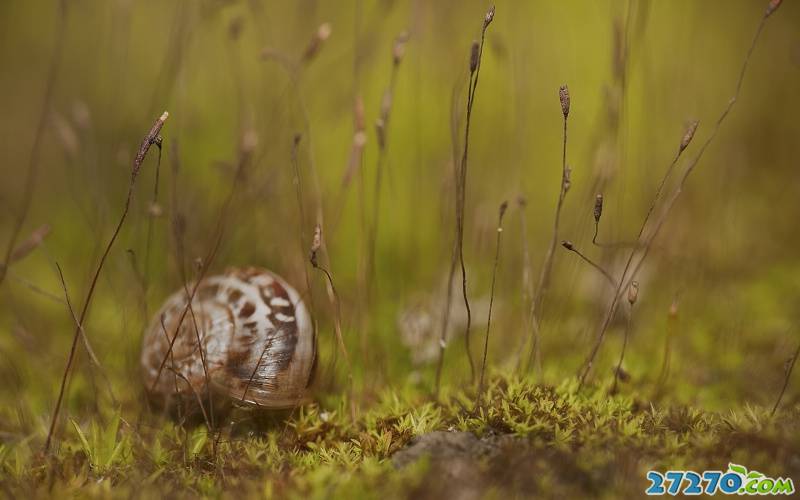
(481, 388)
(92, 356)
(633, 292)
(316, 244)
(150, 139)
(672, 325)
(547, 266)
(786, 381)
(461, 184)
(572, 248)
(586, 368)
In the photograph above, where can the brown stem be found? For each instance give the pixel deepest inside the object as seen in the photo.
(622, 353)
(338, 330)
(92, 356)
(461, 184)
(547, 267)
(569, 246)
(148, 141)
(665, 213)
(491, 299)
(785, 381)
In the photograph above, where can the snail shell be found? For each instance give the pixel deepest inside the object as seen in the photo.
(256, 336)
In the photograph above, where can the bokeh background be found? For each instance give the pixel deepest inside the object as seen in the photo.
(233, 70)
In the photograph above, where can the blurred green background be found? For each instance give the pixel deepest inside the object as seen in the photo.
(637, 73)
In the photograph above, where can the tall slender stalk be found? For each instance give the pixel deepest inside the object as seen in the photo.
(633, 293)
(786, 379)
(316, 244)
(587, 365)
(547, 266)
(150, 139)
(503, 207)
(476, 53)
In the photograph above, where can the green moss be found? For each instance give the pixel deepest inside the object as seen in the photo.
(584, 442)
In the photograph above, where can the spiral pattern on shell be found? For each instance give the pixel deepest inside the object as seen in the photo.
(256, 335)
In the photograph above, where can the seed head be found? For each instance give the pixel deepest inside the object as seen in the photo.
(316, 243)
(688, 135)
(249, 142)
(563, 96)
(673, 309)
(503, 208)
(322, 34)
(66, 134)
(772, 7)
(399, 48)
(474, 55)
(568, 245)
(598, 207)
(633, 292)
(487, 20)
(235, 28)
(154, 210)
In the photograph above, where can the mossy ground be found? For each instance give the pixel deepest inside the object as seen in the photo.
(563, 442)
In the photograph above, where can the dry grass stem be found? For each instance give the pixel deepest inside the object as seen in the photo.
(547, 266)
(502, 213)
(476, 51)
(647, 245)
(150, 139)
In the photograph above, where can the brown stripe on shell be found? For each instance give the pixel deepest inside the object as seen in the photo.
(247, 310)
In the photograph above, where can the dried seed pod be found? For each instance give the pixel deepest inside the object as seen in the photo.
(673, 309)
(688, 135)
(563, 96)
(319, 38)
(316, 244)
(598, 207)
(772, 7)
(487, 20)
(235, 28)
(256, 337)
(474, 55)
(568, 245)
(633, 292)
(66, 135)
(154, 210)
(503, 208)
(399, 48)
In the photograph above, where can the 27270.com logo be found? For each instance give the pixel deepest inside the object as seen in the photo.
(737, 480)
